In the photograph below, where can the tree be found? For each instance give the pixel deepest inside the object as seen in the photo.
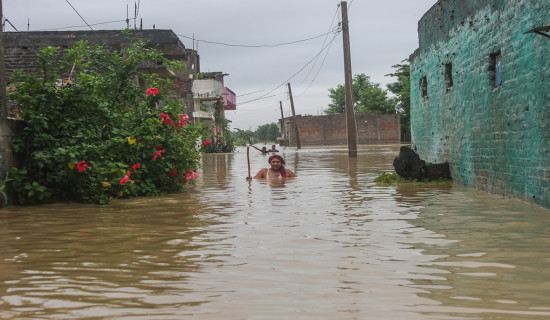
(402, 91)
(242, 137)
(267, 132)
(368, 97)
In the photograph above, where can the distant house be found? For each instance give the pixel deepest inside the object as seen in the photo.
(331, 129)
(207, 90)
(480, 96)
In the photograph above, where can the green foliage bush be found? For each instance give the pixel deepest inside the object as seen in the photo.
(222, 141)
(391, 178)
(394, 178)
(100, 135)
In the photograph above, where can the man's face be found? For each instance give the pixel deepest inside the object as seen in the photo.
(275, 164)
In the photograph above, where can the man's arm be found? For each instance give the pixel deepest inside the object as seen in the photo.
(262, 151)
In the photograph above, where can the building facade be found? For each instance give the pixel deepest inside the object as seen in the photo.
(480, 94)
(331, 129)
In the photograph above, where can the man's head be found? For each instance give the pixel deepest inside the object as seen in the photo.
(276, 157)
(277, 163)
(273, 147)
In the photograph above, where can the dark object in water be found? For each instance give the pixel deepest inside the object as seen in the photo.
(439, 171)
(409, 165)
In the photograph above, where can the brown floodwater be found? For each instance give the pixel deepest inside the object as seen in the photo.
(329, 244)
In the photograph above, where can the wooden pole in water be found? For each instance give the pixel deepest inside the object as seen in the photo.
(248, 159)
(350, 112)
(295, 123)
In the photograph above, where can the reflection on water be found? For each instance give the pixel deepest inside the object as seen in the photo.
(329, 244)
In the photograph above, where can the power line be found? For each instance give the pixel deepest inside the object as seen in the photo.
(93, 24)
(320, 66)
(79, 14)
(318, 70)
(257, 46)
(247, 94)
(286, 81)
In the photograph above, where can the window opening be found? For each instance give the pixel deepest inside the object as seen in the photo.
(449, 75)
(495, 69)
(424, 87)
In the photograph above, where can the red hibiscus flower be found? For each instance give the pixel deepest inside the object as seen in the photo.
(181, 123)
(82, 166)
(165, 118)
(173, 173)
(206, 143)
(125, 179)
(191, 175)
(135, 166)
(158, 154)
(152, 91)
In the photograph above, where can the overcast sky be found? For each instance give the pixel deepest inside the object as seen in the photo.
(262, 45)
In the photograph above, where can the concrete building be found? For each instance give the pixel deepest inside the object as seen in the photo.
(480, 94)
(207, 90)
(331, 129)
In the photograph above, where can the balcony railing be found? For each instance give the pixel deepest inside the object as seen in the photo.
(229, 99)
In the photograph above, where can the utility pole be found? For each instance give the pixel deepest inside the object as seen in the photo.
(295, 122)
(350, 113)
(283, 123)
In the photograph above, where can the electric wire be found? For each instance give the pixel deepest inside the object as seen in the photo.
(257, 46)
(322, 62)
(247, 94)
(318, 70)
(93, 24)
(286, 81)
(79, 15)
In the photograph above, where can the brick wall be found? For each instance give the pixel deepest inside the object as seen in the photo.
(496, 138)
(331, 129)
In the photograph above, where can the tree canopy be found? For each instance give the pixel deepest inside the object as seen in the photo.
(402, 91)
(368, 97)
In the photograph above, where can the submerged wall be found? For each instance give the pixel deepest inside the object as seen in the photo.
(480, 95)
(331, 129)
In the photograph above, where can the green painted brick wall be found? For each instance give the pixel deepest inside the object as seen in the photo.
(496, 139)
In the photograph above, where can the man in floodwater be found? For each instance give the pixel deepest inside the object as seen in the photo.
(262, 150)
(276, 171)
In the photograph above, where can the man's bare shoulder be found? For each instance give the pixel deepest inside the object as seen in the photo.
(261, 174)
